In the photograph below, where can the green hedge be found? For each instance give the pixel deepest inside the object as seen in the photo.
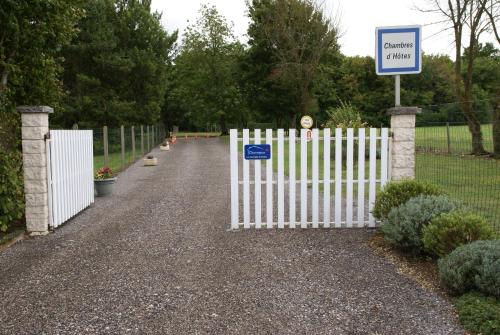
(11, 188)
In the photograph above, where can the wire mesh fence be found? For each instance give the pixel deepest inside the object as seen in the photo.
(443, 157)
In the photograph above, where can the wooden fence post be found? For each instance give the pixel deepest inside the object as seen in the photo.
(142, 140)
(122, 142)
(132, 132)
(153, 137)
(149, 137)
(106, 145)
(448, 137)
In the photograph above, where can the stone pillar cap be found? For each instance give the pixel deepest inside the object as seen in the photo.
(35, 109)
(399, 110)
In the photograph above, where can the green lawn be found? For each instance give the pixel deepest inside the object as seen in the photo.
(115, 162)
(475, 181)
(436, 138)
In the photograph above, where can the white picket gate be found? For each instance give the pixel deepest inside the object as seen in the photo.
(359, 217)
(70, 175)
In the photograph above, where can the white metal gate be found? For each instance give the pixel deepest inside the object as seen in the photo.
(70, 175)
(353, 173)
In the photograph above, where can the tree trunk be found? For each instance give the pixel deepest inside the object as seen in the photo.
(223, 126)
(477, 135)
(466, 105)
(293, 120)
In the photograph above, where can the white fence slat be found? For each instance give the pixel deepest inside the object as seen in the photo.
(338, 177)
(60, 179)
(233, 135)
(349, 176)
(303, 178)
(73, 180)
(373, 175)
(49, 182)
(84, 173)
(315, 177)
(326, 178)
(269, 181)
(361, 177)
(66, 150)
(383, 156)
(55, 184)
(246, 183)
(258, 180)
(281, 180)
(291, 172)
(91, 168)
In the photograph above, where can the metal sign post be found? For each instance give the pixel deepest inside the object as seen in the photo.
(397, 90)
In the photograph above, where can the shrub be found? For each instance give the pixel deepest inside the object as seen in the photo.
(450, 230)
(474, 266)
(403, 227)
(344, 116)
(479, 314)
(11, 188)
(397, 193)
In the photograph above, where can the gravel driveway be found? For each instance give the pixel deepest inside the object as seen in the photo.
(156, 259)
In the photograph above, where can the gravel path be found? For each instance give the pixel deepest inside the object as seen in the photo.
(156, 259)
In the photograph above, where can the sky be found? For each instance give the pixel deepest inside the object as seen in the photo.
(358, 20)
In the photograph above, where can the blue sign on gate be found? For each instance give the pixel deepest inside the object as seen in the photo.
(257, 151)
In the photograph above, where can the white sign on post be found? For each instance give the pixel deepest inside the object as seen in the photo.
(398, 50)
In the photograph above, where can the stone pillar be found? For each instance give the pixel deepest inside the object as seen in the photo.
(35, 125)
(403, 142)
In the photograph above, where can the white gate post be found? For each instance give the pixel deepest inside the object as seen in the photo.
(35, 127)
(403, 142)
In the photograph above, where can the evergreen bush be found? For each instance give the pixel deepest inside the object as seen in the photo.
(450, 230)
(398, 192)
(473, 266)
(403, 227)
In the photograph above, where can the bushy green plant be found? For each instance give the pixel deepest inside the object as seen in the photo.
(398, 192)
(479, 314)
(450, 230)
(344, 116)
(473, 266)
(404, 224)
(11, 189)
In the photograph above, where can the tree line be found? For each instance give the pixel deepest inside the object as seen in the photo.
(110, 62)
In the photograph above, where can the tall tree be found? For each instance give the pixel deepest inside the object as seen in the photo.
(468, 20)
(115, 69)
(207, 72)
(296, 36)
(492, 10)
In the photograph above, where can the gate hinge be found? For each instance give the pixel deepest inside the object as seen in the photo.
(46, 136)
